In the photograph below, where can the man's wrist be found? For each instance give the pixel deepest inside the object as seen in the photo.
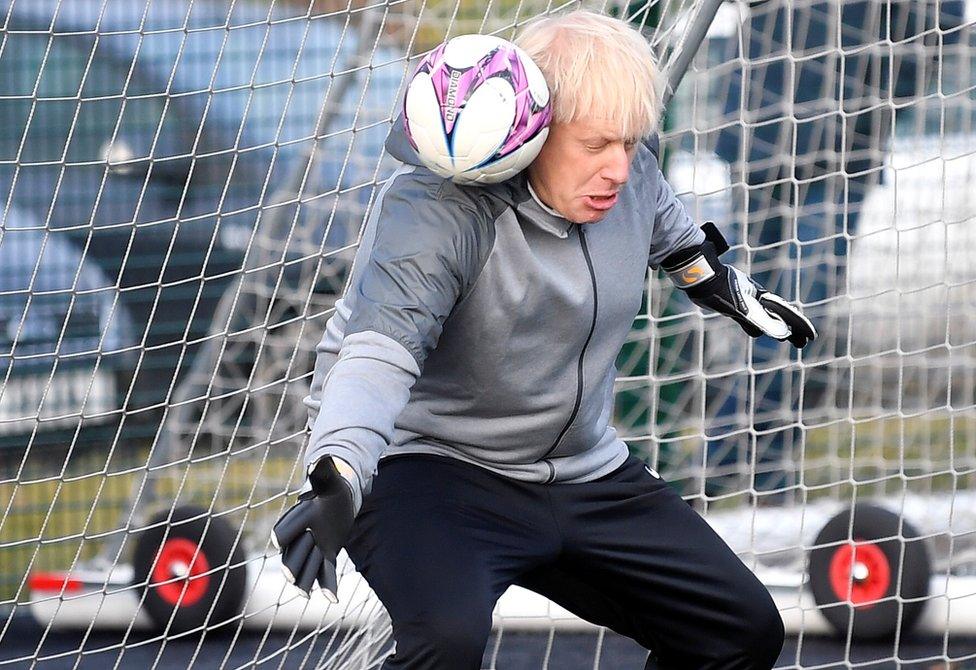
(692, 272)
(344, 469)
(327, 469)
(697, 268)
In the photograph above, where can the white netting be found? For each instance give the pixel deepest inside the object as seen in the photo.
(184, 184)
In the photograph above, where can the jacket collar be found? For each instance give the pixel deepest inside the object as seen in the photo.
(529, 206)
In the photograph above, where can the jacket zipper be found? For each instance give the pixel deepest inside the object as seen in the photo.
(579, 363)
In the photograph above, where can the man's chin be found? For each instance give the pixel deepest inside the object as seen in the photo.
(592, 216)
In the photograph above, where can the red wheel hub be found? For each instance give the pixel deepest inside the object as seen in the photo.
(181, 565)
(860, 573)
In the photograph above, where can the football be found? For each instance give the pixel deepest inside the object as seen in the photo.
(477, 110)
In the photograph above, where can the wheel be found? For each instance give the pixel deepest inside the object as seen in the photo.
(860, 578)
(183, 567)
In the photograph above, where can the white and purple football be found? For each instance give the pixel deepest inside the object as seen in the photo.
(477, 110)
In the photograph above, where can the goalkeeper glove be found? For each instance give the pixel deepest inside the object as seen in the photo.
(311, 533)
(727, 290)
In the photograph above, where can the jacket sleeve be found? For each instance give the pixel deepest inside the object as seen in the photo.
(423, 254)
(673, 229)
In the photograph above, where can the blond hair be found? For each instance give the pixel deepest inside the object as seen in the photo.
(598, 67)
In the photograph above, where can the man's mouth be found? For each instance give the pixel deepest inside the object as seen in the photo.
(601, 202)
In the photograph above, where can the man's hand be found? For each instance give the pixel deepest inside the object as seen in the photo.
(728, 290)
(758, 311)
(311, 533)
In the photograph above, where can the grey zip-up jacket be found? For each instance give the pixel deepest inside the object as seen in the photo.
(480, 325)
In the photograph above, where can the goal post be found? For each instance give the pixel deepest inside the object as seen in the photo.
(183, 185)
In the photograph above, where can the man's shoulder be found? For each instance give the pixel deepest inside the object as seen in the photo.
(422, 210)
(652, 144)
(648, 154)
(433, 199)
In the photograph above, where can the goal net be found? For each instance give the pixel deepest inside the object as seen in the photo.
(184, 184)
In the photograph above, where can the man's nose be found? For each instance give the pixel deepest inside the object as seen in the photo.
(617, 167)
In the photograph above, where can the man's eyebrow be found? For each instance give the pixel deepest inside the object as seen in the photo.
(598, 137)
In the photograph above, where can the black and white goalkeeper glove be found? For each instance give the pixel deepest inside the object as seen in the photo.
(727, 290)
(313, 530)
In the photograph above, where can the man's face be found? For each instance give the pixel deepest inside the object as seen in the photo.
(581, 167)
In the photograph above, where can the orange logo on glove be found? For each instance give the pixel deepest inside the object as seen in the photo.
(692, 274)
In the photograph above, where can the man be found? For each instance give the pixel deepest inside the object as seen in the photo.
(473, 352)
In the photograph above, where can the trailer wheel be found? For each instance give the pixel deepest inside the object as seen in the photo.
(859, 579)
(185, 569)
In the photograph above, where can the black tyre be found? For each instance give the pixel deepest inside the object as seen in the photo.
(860, 579)
(184, 567)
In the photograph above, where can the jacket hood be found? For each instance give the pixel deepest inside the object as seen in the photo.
(513, 191)
(398, 146)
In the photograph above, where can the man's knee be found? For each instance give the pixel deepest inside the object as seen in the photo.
(768, 637)
(760, 642)
(441, 642)
(753, 644)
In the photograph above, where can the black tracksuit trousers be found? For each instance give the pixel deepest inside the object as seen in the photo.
(440, 540)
